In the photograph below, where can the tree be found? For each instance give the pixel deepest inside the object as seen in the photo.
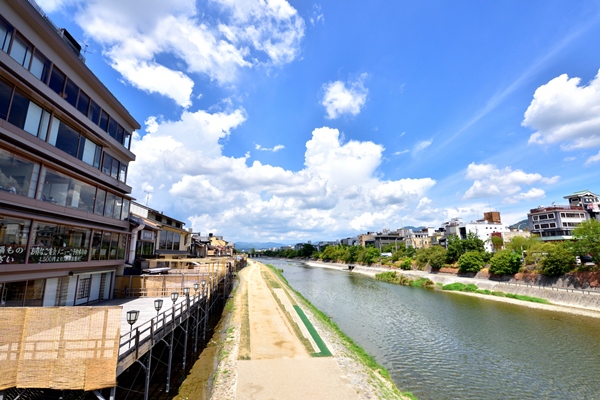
(558, 261)
(505, 262)
(587, 239)
(455, 249)
(369, 255)
(437, 256)
(497, 242)
(473, 243)
(471, 261)
(520, 243)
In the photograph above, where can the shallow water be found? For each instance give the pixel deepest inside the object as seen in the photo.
(443, 345)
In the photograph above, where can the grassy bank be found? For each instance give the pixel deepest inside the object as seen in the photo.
(378, 373)
(394, 277)
(472, 288)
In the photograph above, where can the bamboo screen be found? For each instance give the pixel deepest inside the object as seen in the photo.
(70, 348)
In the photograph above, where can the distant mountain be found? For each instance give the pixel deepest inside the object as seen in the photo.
(257, 245)
(523, 223)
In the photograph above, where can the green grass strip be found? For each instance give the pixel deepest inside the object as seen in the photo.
(324, 351)
(472, 288)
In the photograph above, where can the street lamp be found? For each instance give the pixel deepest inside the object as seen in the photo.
(196, 286)
(158, 303)
(174, 297)
(186, 291)
(132, 317)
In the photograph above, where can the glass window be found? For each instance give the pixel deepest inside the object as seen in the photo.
(6, 31)
(107, 163)
(28, 116)
(71, 92)
(127, 140)
(21, 50)
(55, 188)
(104, 251)
(112, 128)
(40, 66)
(162, 240)
(169, 240)
(6, 90)
(57, 80)
(114, 246)
(122, 246)
(67, 191)
(114, 171)
(13, 239)
(63, 137)
(100, 202)
(122, 173)
(81, 196)
(109, 208)
(89, 152)
(103, 121)
(176, 241)
(94, 112)
(83, 103)
(59, 243)
(120, 133)
(96, 245)
(125, 212)
(18, 175)
(83, 288)
(118, 208)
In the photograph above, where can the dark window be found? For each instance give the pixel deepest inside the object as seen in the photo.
(114, 172)
(18, 110)
(83, 103)
(112, 128)
(158, 218)
(118, 208)
(94, 112)
(120, 132)
(71, 92)
(21, 51)
(111, 199)
(96, 245)
(107, 163)
(83, 288)
(169, 222)
(57, 80)
(5, 94)
(28, 116)
(103, 121)
(63, 137)
(105, 246)
(6, 31)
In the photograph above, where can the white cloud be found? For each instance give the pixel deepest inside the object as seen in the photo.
(399, 153)
(340, 99)
(422, 145)
(490, 181)
(272, 149)
(136, 34)
(317, 15)
(564, 111)
(593, 159)
(337, 192)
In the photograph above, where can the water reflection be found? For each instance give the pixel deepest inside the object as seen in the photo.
(442, 345)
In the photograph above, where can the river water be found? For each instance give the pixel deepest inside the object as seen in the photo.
(443, 345)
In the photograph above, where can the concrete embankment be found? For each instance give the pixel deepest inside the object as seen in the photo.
(571, 300)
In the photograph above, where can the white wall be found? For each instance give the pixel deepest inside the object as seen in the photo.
(50, 292)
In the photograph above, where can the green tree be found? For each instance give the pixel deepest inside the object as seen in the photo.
(558, 261)
(587, 239)
(455, 249)
(497, 242)
(520, 243)
(437, 256)
(473, 243)
(505, 262)
(471, 261)
(369, 255)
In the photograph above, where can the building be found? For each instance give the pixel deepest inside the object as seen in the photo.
(483, 229)
(155, 234)
(64, 156)
(586, 199)
(556, 222)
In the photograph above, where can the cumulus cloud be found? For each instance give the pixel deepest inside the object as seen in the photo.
(344, 97)
(272, 149)
(490, 181)
(215, 40)
(567, 112)
(338, 191)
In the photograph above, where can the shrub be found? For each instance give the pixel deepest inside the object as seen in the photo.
(558, 261)
(406, 264)
(471, 261)
(505, 262)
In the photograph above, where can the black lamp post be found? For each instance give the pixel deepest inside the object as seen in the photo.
(132, 317)
(174, 297)
(158, 303)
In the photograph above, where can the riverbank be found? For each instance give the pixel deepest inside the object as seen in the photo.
(262, 341)
(574, 302)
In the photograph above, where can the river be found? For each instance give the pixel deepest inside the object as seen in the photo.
(444, 345)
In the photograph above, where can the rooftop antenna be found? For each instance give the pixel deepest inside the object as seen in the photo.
(85, 50)
(147, 196)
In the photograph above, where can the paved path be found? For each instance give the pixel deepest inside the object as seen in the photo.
(280, 366)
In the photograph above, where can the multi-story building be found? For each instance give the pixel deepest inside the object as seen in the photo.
(64, 154)
(484, 229)
(556, 222)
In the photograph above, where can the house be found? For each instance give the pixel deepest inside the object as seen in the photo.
(484, 229)
(556, 222)
(64, 157)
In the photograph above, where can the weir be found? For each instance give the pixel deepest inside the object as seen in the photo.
(166, 320)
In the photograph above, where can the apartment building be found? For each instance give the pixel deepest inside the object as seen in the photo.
(64, 156)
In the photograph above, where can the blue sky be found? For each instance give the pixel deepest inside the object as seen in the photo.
(290, 121)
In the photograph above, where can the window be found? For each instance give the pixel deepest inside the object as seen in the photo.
(543, 216)
(122, 173)
(83, 288)
(162, 240)
(103, 121)
(122, 246)
(544, 226)
(169, 240)
(120, 134)
(127, 140)
(96, 245)
(6, 31)
(65, 191)
(552, 225)
(536, 227)
(6, 90)
(21, 51)
(94, 112)
(535, 218)
(13, 239)
(114, 170)
(114, 246)
(109, 207)
(100, 202)
(18, 175)
(40, 66)
(89, 152)
(105, 246)
(176, 241)
(28, 116)
(107, 163)
(83, 103)
(71, 92)
(59, 243)
(63, 137)
(125, 212)
(57, 81)
(22, 294)
(112, 128)
(118, 208)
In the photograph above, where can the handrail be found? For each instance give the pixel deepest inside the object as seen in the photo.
(557, 288)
